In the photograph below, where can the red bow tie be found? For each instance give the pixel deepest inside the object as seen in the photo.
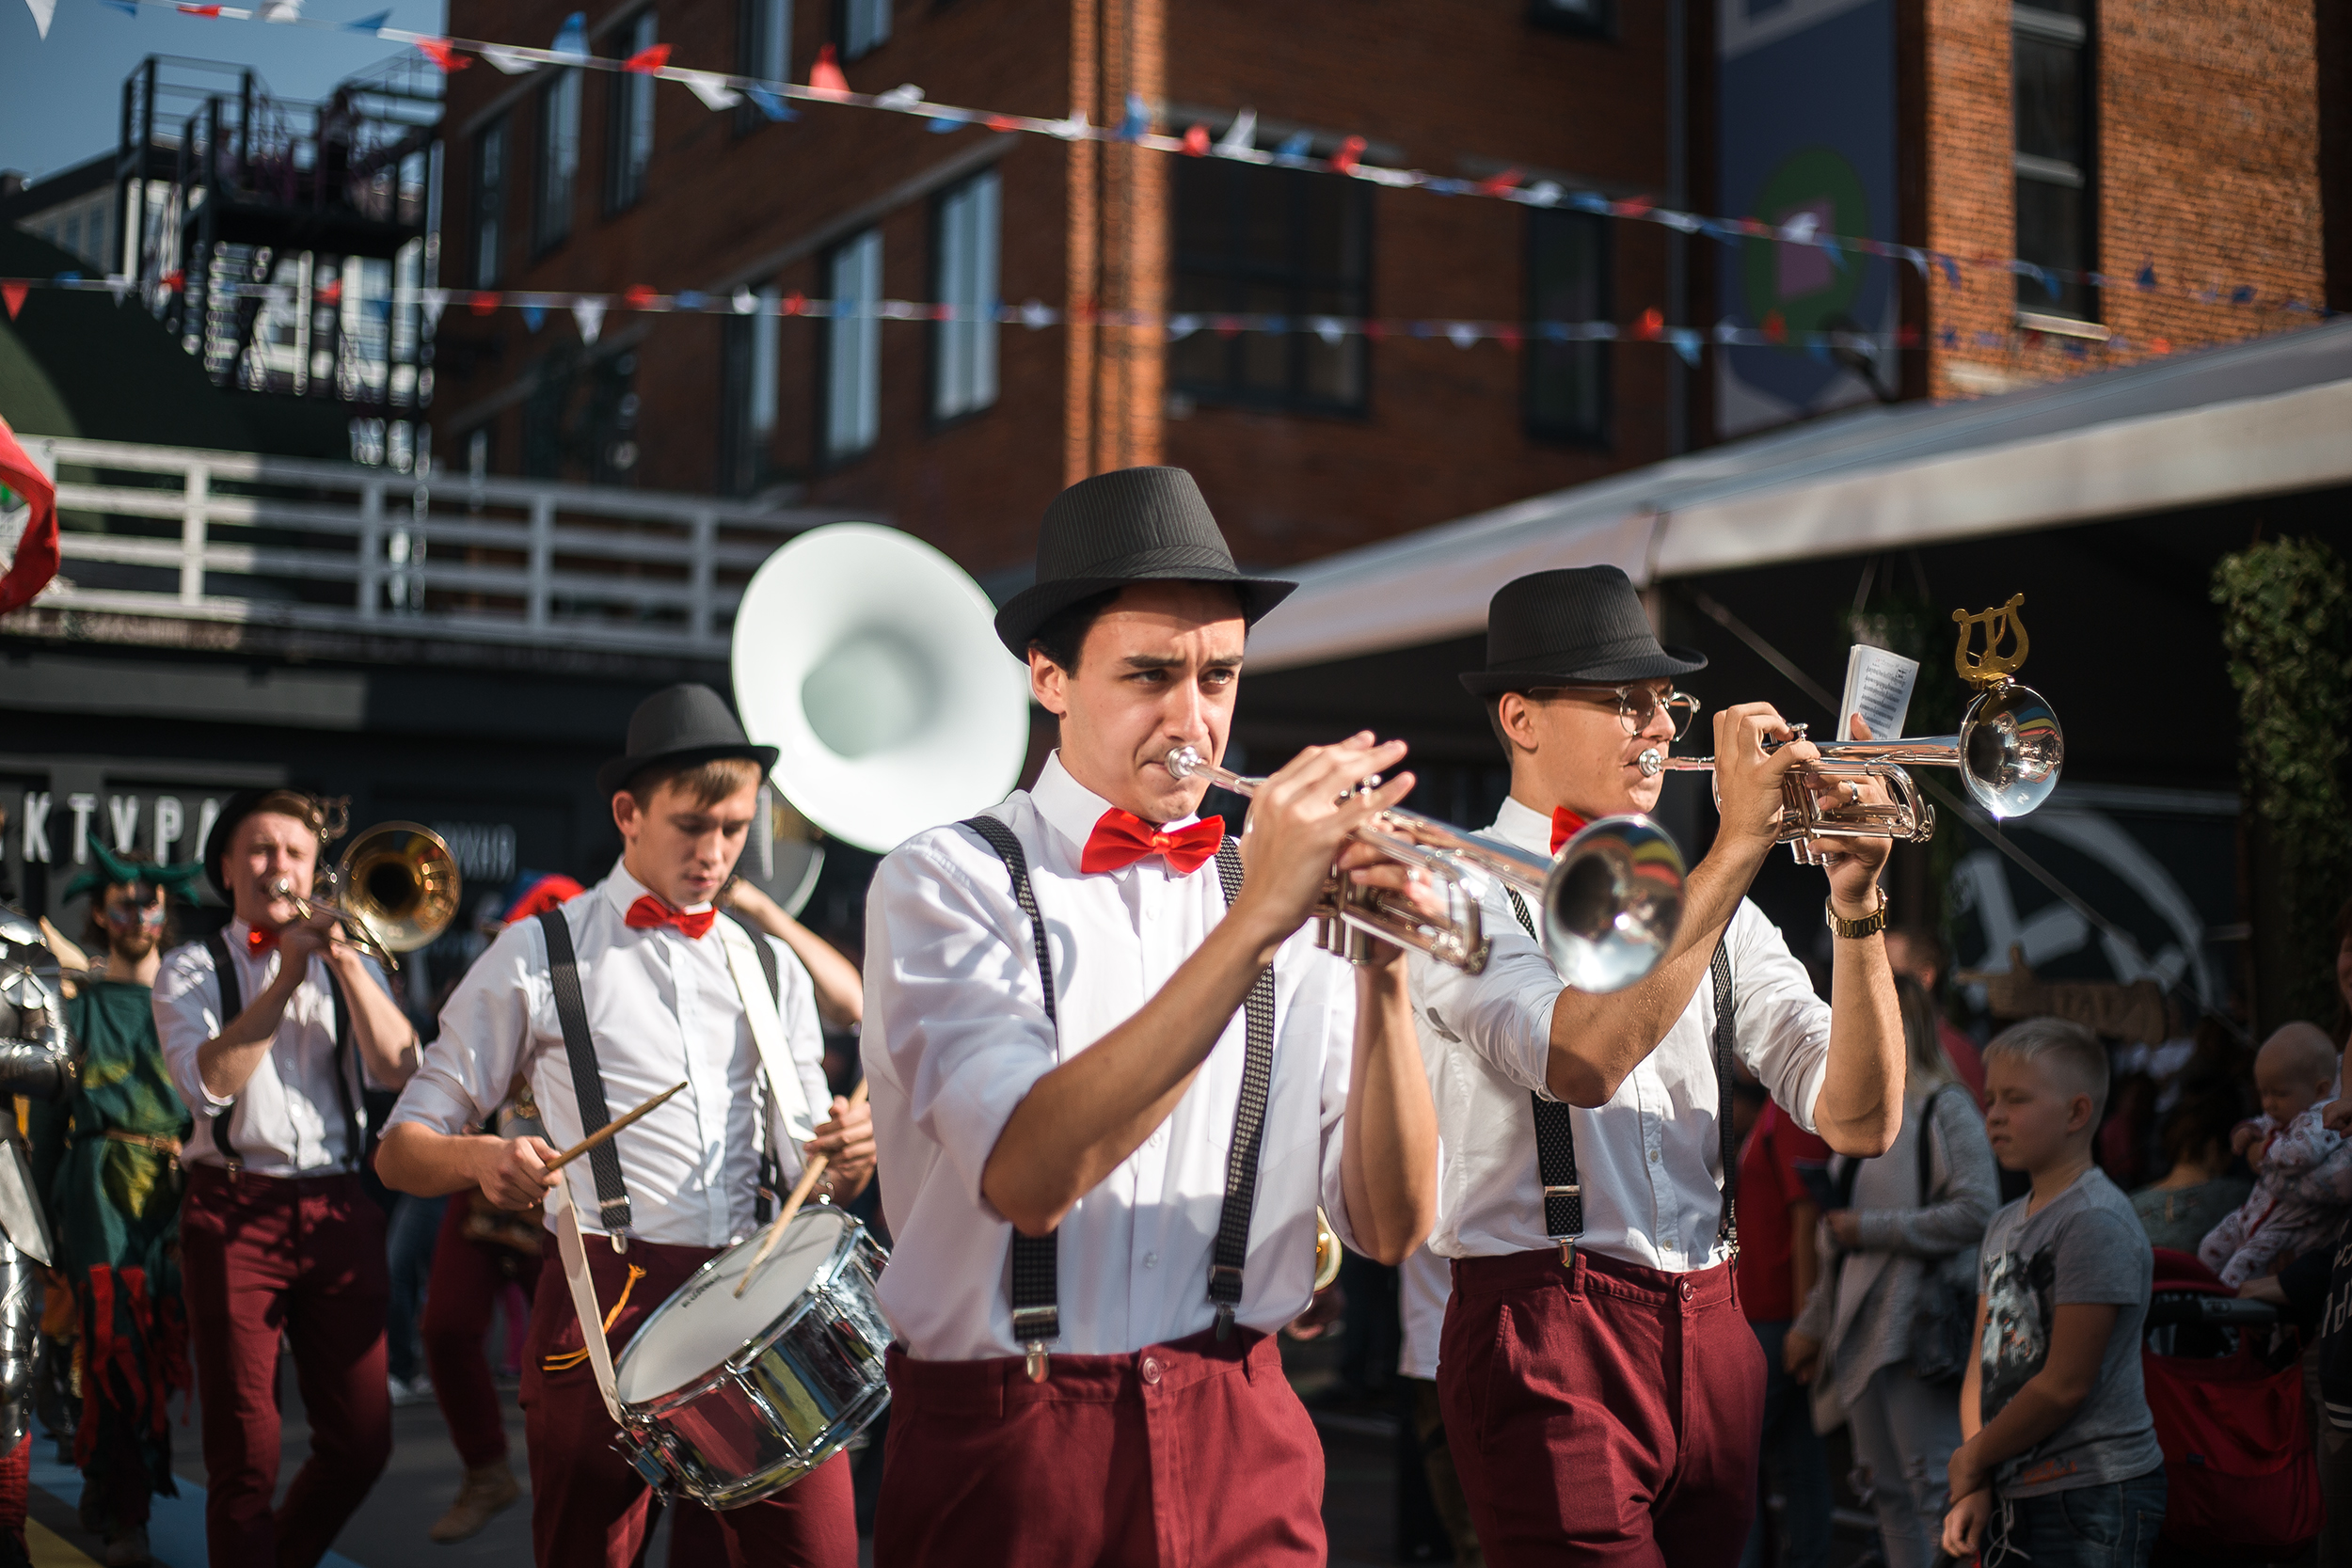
(1122, 838)
(649, 913)
(258, 939)
(1565, 825)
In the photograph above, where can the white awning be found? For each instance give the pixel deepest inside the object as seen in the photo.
(2262, 418)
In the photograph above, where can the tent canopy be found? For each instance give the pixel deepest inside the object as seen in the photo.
(2264, 417)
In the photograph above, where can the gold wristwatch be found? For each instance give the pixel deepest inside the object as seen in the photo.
(1868, 926)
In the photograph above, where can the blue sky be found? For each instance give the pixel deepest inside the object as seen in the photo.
(60, 101)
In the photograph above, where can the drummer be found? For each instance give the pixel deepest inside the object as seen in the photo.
(1102, 1211)
(668, 991)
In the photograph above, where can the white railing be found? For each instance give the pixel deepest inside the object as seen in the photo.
(237, 537)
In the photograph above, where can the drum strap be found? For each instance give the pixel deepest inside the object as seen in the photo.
(1555, 1122)
(758, 987)
(1036, 1259)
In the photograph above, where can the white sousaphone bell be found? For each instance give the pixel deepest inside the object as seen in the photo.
(869, 660)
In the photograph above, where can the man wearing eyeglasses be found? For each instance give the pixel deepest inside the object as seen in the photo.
(1601, 1391)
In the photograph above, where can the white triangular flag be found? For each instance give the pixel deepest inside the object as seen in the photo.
(507, 59)
(746, 302)
(44, 10)
(279, 11)
(906, 95)
(710, 87)
(118, 286)
(431, 301)
(589, 313)
(1243, 137)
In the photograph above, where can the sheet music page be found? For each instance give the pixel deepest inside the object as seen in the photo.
(1878, 687)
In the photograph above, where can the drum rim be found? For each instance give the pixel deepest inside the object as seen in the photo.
(853, 1232)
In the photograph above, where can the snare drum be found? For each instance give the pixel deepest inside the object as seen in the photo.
(728, 1401)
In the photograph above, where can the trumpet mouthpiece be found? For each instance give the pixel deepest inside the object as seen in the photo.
(1184, 762)
(1651, 762)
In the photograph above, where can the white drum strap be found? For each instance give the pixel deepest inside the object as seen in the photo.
(572, 1247)
(787, 1101)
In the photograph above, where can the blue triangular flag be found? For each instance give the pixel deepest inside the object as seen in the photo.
(769, 103)
(1138, 120)
(688, 299)
(1950, 337)
(369, 24)
(1686, 343)
(128, 8)
(940, 126)
(2147, 278)
(533, 316)
(571, 41)
(1294, 146)
(1952, 269)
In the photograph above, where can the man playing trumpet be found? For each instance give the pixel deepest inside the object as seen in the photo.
(1601, 1392)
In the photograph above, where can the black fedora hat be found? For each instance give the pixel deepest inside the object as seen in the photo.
(680, 723)
(1130, 524)
(1577, 626)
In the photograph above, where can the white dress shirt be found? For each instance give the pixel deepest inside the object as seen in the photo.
(661, 1006)
(955, 1034)
(289, 1119)
(1650, 1159)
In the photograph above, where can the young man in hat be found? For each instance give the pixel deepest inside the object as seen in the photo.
(666, 989)
(1112, 1084)
(1601, 1391)
(270, 1029)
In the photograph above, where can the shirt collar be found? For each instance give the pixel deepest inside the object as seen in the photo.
(621, 890)
(1070, 809)
(1522, 826)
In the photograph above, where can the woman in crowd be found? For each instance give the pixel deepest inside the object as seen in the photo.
(1901, 1275)
(2205, 1181)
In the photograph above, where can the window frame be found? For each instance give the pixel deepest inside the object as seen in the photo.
(2080, 302)
(1238, 275)
(491, 200)
(845, 12)
(831, 455)
(746, 447)
(754, 61)
(630, 110)
(1602, 434)
(981, 330)
(551, 219)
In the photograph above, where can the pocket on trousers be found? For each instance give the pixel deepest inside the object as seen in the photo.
(2094, 1514)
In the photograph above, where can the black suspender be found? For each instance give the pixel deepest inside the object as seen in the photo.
(1555, 1124)
(1036, 1259)
(571, 1011)
(232, 1005)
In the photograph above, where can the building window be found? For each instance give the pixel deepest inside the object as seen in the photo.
(630, 130)
(853, 348)
(764, 52)
(559, 158)
(1566, 392)
(1585, 18)
(863, 24)
(963, 247)
(2051, 56)
(1271, 241)
(749, 364)
(489, 203)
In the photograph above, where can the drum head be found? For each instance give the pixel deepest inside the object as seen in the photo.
(698, 1328)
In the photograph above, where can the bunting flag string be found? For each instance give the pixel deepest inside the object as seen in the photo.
(589, 313)
(827, 85)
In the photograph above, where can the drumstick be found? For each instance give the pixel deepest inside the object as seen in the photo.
(801, 1190)
(609, 1128)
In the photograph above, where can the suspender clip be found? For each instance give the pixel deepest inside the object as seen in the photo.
(234, 1166)
(620, 1241)
(1568, 1253)
(1038, 1367)
(1224, 1324)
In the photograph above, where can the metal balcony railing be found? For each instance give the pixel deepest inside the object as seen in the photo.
(237, 537)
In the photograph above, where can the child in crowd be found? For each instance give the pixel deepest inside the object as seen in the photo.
(2302, 1171)
(2060, 1467)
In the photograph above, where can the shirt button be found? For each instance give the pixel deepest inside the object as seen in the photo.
(1685, 1288)
(1653, 1156)
(1150, 1368)
(1150, 1260)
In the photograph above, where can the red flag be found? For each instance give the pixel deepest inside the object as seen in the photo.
(1197, 142)
(1652, 322)
(646, 61)
(1500, 184)
(12, 294)
(795, 302)
(331, 293)
(1343, 161)
(1632, 206)
(440, 53)
(1776, 327)
(1002, 122)
(200, 10)
(638, 296)
(484, 302)
(825, 78)
(36, 550)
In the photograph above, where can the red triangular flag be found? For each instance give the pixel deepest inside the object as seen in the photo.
(638, 295)
(1197, 142)
(825, 77)
(36, 550)
(13, 295)
(440, 53)
(1500, 184)
(1650, 325)
(1343, 161)
(1776, 327)
(646, 61)
(200, 10)
(331, 293)
(484, 302)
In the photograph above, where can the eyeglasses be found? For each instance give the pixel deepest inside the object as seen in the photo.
(1637, 706)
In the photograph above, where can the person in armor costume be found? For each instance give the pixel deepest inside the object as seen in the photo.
(107, 1156)
(35, 1062)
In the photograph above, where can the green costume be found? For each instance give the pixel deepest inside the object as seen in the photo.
(114, 1205)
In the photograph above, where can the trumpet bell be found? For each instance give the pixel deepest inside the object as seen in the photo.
(871, 661)
(400, 879)
(2011, 750)
(1613, 903)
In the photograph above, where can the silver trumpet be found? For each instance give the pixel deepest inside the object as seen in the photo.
(2008, 752)
(1610, 903)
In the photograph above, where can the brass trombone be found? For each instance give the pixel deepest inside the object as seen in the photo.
(394, 890)
(2008, 752)
(1610, 903)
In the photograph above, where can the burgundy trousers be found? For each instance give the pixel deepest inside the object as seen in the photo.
(1194, 1454)
(303, 1258)
(459, 1302)
(588, 1504)
(1608, 1415)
